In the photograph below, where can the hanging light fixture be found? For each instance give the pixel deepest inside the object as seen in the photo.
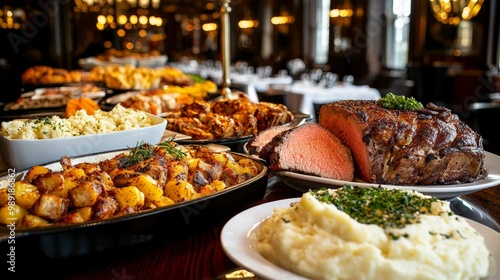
(454, 11)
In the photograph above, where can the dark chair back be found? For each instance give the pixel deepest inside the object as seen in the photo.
(485, 118)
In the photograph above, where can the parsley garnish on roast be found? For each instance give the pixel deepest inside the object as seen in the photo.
(399, 102)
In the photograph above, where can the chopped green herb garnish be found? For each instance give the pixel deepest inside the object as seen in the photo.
(400, 102)
(387, 208)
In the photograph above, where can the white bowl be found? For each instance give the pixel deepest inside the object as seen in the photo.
(22, 154)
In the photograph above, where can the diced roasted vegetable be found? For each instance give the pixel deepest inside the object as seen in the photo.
(115, 187)
(180, 191)
(26, 194)
(147, 185)
(31, 221)
(49, 181)
(36, 171)
(85, 194)
(129, 196)
(4, 196)
(79, 215)
(105, 207)
(12, 214)
(51, 207)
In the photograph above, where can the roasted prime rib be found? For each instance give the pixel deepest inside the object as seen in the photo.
(418, 147)
(310, 149)
(256, 143)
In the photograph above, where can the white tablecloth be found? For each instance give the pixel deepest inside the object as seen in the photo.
(302, 97)
(252, 84)
(249, 83)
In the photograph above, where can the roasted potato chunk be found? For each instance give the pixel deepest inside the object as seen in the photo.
(51, 207)
(4, 196)
(180, 191)
(31, 221)
(35, 171)
(12, 214)
(105, 207)
(49, 181)
(129, 196)
(85, 194)
(79, 215)
(147, 185)
(26, 194)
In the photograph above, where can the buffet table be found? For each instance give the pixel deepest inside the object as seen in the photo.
(198, 254)
(302, 97)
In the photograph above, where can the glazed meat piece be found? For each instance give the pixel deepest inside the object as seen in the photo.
(310, 149)
(418, 147)
(223, 118)
(105, 207)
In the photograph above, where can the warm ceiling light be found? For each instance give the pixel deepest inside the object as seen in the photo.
(155, 3)
(247, 23)
(101, 19)
(122, 19)
(152, 20)
(209, 26)
(133, 19)
(120, 32)
(453, 11)
(159, 21)
(143, 20)
(143, 3)
(100, 26)
(282, 20)
(340, 13)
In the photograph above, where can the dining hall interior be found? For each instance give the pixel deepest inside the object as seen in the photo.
(301, 54)
(435, 51)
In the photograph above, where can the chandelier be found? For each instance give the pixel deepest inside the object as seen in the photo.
(454, 11)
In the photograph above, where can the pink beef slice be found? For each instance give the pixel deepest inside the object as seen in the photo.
(257, 142)
(311, 149)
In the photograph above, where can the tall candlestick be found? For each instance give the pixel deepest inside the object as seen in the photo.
(225, 51)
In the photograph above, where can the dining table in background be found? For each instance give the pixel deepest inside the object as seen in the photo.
(199, 254)
(303, 96)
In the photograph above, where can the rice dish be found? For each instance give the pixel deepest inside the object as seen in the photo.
(119, 118)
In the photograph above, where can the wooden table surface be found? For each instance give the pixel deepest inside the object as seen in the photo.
(199, 254)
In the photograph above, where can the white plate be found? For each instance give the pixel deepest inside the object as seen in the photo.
(238, 241)
(303, 183)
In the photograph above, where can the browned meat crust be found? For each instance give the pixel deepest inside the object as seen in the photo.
(421, 147)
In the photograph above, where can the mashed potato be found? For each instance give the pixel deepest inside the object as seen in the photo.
(80, 123)
(382, 240)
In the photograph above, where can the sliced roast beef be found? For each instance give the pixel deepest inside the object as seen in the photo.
(417, 147)
(255, 145)
(310, 149)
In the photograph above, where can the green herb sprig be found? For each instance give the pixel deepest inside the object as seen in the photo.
(172, 149)
(140, 152)
(143, 151)
(399, 102)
